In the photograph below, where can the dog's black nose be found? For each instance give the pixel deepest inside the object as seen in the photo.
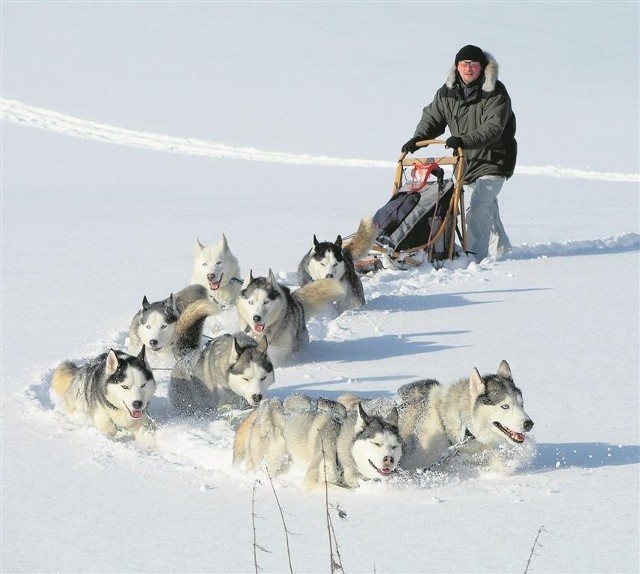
(528, 425)
(137, 405)
(153, 342)
(329, 275)
(211, 276)
(388, 460)
(256, 398)
(257, 318)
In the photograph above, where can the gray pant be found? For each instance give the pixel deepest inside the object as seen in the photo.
(485, 232)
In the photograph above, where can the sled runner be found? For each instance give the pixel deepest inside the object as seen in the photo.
(424, 215)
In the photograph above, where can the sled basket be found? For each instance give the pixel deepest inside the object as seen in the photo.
(423, 218)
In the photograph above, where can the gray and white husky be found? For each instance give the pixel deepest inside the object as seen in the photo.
(231, 369)
(475, 416)
(269, 309)
(319, 437)
(171, 327)
(369, 446)
(216, 268)
(336, 260)
(110, 392)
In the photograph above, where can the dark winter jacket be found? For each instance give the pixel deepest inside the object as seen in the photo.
(482, 117)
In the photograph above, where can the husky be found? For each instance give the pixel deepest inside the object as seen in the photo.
(172, 327)
(369, 446)
(335, 260)
(475, 416)
(217, 270)
(260, 438)
(269, 309)
(231, 370)
(112, 391)
(321, 438)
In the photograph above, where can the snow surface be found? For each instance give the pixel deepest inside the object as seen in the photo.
(251, 115)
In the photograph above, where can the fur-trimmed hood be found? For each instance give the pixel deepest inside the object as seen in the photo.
(490, 75)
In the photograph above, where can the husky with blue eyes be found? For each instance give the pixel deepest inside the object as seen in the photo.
(111, 392)
(481, 418)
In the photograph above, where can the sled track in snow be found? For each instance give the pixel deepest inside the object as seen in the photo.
(616, 244)
(24, 114)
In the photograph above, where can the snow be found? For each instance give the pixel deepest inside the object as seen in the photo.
(130, 129)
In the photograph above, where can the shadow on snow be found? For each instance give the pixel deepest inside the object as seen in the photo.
(551, 456)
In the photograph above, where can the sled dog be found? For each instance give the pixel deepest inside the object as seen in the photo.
(111, 391)
(269, 309)
(369, 446)
(172, 327)
(231, 369)
(217, 270)
(336, 260)
(475, 416)
(321, 438)
(260, 438)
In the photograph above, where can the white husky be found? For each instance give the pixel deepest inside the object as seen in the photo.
(111, 391)
(216, 268)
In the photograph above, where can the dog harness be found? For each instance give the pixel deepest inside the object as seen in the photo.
(452, 450)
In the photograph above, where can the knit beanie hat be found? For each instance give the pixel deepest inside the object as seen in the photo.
(472, 53)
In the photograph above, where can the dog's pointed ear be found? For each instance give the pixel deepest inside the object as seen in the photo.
(172, 304)
(199, 246)
(477, 385)
(272, 278)
(316, 243)
(111, 365)
(145, 303)
(142, 356)
(362, 420)
(392, 417)
(248, 280)
(504, 370)
(263, 345)
(338, 242)
(236, 351)
(224, 246)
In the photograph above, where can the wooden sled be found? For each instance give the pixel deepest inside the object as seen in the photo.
(437, 241)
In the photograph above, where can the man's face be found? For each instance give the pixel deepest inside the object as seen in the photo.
(469, 71)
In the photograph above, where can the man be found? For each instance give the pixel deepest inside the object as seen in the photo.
(476, 108)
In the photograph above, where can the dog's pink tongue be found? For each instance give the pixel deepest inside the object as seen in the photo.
(517, 436)
(214, 285)
(384, 471)
(136, 414)
(258, 328)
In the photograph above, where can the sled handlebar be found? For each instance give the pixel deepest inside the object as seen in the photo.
(455, 160)
(442, 160)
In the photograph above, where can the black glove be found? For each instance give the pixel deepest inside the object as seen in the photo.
(410, 146)
(454, 142)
